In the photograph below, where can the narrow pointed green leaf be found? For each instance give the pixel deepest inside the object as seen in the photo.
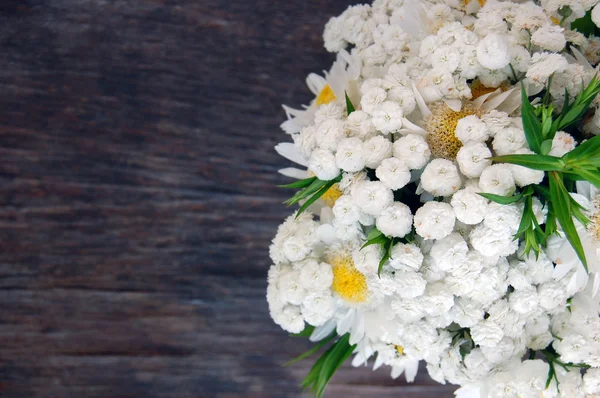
(308, 353)
(378, 240)
(386, 256)
(593, 177)
(349, 104)
(306, 332)
(315, 197)
(531, 124)
(589, 147)
(300, 183)
(374, 233)
(315, 186)
(562, 208)
(503, 200)
(536, 162)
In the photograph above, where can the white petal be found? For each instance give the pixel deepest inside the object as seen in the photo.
(293, 172)
(411, 370)
(323, 331)
(291, 152)
(421, 102)
(453, 103)
(561, 270)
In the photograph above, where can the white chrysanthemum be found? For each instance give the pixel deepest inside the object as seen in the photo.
(466, 312)
(395, 220)
(562, 143)
(290, 319)
(508, 140)
(491, 242)
(315, 276)
(596, 15)
(333, 35)
(290, 288)
(492, 52)
(469, 207)
(498, 180)
(349, 155)
(486, 333)
(372, 99)
(328, 111)
(446, 57)
(434, 220)
(359, 124)
(387, 117)
(591, 379)
(543, 65)
(503, 217)
(471, 129)
(406, 256)
(405, 97)
(413, 150)
(318, 307)
(372, 197)
(496, 121)
(409, 284)
(524, 175)
(520, 59)
(375, 150)
(367, 260)
(550, 37)
(473, 159)
(449, 252)
(329, 133)
(322, 163)
(345, 210)
(441, 178)
(393, 173)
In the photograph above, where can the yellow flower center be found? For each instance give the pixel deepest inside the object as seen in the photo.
(332, 195)
(478, 89)
(481, 2)
(555, 20)
(348, 282)
(441, 128)
(326, 96)
(400, 349)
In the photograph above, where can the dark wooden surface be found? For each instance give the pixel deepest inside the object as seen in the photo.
(137, 197)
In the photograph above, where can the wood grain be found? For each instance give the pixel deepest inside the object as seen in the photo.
(138, 199)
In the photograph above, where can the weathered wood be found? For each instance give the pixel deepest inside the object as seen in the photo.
(138, 199)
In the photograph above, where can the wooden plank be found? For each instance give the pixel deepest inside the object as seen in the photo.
(138, 198)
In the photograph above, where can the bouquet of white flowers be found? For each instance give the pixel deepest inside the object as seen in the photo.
(450, 210)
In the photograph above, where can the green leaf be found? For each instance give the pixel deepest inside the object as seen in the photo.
(546, 147)
(386, 256)
(340, 351)
(585, 25)
(306, 332)
(379, 240)
(589, 147)
(562, 207)
(531, 124)
(315, 186)
(593, 177)
(349, 104)
(374, 233)
(299, 184)
(503, 200)
(315, 197)
(536, 162)
(316, 348)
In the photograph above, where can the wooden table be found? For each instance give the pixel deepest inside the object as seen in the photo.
(138, 199)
